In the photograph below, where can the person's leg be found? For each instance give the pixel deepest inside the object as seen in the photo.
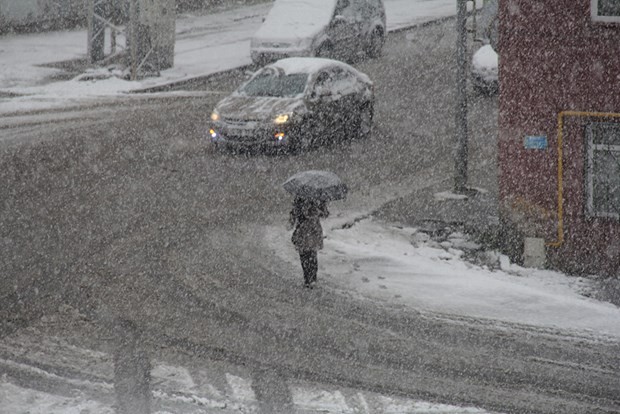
(306, 259)
(313, 265)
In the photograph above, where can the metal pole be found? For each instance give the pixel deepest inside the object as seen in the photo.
(96, 31)
(460, 179)
(90, 12)
(133, 38)
(113, 40)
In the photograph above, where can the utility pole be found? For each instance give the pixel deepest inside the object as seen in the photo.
(460, 179)
(151, 36)
(96, 30)
(133, 39)
(149, 33)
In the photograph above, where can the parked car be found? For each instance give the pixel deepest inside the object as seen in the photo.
(295, 103)
(484, 70)
(338, 29)
(485, 61)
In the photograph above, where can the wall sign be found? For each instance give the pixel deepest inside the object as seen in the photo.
(535, 142)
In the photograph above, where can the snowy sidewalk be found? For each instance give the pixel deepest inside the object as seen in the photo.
(448, 274)
(204, 45)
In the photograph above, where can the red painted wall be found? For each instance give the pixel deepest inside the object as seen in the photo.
(554, 58)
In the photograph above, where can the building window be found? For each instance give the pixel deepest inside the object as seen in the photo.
(603, 169)
(605, 10)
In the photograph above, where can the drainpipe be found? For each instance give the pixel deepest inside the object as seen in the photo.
(560, 238)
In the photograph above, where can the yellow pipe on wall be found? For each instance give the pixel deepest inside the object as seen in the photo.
(561, 115)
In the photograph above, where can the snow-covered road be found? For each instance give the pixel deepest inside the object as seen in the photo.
(375, 261)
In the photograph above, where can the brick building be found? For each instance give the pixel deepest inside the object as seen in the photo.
(559, 128)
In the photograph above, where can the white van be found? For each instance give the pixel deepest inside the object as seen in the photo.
(337, 29)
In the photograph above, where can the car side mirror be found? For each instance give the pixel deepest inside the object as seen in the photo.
(338, 20)
(323, 92)
(318, 93)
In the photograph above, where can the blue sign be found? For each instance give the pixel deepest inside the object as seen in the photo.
(535, 142)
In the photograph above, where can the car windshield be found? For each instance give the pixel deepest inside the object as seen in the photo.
(271, 83)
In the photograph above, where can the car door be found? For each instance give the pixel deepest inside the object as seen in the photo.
(326, 106)
(318, 101)
(343, 98)
(344, 30)
(348, 94)
(362, 12)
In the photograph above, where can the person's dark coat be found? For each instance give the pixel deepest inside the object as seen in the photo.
(305, 216)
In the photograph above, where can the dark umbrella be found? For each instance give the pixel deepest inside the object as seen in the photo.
(316, 185)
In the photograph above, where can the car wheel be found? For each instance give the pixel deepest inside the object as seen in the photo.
(479, 89)
(364, 128)
(375, 45)
(326, 50)
(213, 148)
(294, 146)
(484, 89)
(299, 144)
(223, 148)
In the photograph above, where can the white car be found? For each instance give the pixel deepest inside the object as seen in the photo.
(484, 70)
(485, 62)
(336, 29)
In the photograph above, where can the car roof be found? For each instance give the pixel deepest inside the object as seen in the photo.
(296, 19)
(311, 65)
(304, 64)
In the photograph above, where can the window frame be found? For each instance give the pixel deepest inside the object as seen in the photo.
(601, 19)
(591, 148)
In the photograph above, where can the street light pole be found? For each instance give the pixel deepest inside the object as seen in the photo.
(460, 179)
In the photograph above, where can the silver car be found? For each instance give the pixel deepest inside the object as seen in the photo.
(337, 29)
(295, 103)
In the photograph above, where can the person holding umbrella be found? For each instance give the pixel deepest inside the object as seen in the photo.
(308, 235)
(312, 190)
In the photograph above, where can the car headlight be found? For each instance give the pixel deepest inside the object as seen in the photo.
(281, 119)
(215, 116)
